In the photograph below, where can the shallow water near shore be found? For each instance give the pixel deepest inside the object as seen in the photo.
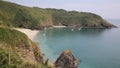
(95, 48)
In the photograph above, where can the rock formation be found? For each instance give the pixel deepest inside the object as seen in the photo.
(66, 60)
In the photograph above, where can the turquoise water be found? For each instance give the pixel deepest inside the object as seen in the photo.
(95, 48)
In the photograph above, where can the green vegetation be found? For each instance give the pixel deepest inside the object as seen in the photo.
(78, 19)
(4, 59)
(17, 50)
(74, 17)
(14, 38)
(14, 15)
(21, 16)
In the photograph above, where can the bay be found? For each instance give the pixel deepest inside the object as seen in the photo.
(95, 48)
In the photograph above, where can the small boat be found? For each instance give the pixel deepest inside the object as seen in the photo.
(72, 29)
(79, 28)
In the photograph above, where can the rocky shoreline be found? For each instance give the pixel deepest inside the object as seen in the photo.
(66, 59)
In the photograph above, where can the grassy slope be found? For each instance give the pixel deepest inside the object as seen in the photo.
(21, 16)
(23, 52)
(14, 38)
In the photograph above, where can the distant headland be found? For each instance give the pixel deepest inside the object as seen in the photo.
(14, 15)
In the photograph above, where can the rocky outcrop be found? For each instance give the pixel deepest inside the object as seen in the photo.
(66, 60)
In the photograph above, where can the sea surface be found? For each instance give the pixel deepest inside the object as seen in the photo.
(95, 48)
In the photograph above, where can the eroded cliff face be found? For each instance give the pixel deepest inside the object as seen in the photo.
(37, 53)
(66, 60)
(31, 54)
(13, 41)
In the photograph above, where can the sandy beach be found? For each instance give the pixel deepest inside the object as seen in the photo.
(30, 33)
(59, 26)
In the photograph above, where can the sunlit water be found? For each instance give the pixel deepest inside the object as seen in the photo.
(95, 48)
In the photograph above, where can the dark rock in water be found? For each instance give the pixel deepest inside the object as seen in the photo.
(66, 60)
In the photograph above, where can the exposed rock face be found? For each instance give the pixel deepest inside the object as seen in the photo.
(37, 54)
(66, 60)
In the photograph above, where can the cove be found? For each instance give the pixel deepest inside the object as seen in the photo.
(95, 48)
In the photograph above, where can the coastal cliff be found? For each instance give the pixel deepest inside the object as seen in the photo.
(14, 15)
(17, 50)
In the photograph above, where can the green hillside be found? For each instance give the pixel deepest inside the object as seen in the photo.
(14, 15)
(78, 19)
(18, 51)
(20, 16)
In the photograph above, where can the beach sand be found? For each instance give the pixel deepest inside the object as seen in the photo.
(59, 26)
(30, 33)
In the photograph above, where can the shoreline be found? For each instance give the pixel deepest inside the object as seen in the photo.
(30, 33)
(59, 26)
